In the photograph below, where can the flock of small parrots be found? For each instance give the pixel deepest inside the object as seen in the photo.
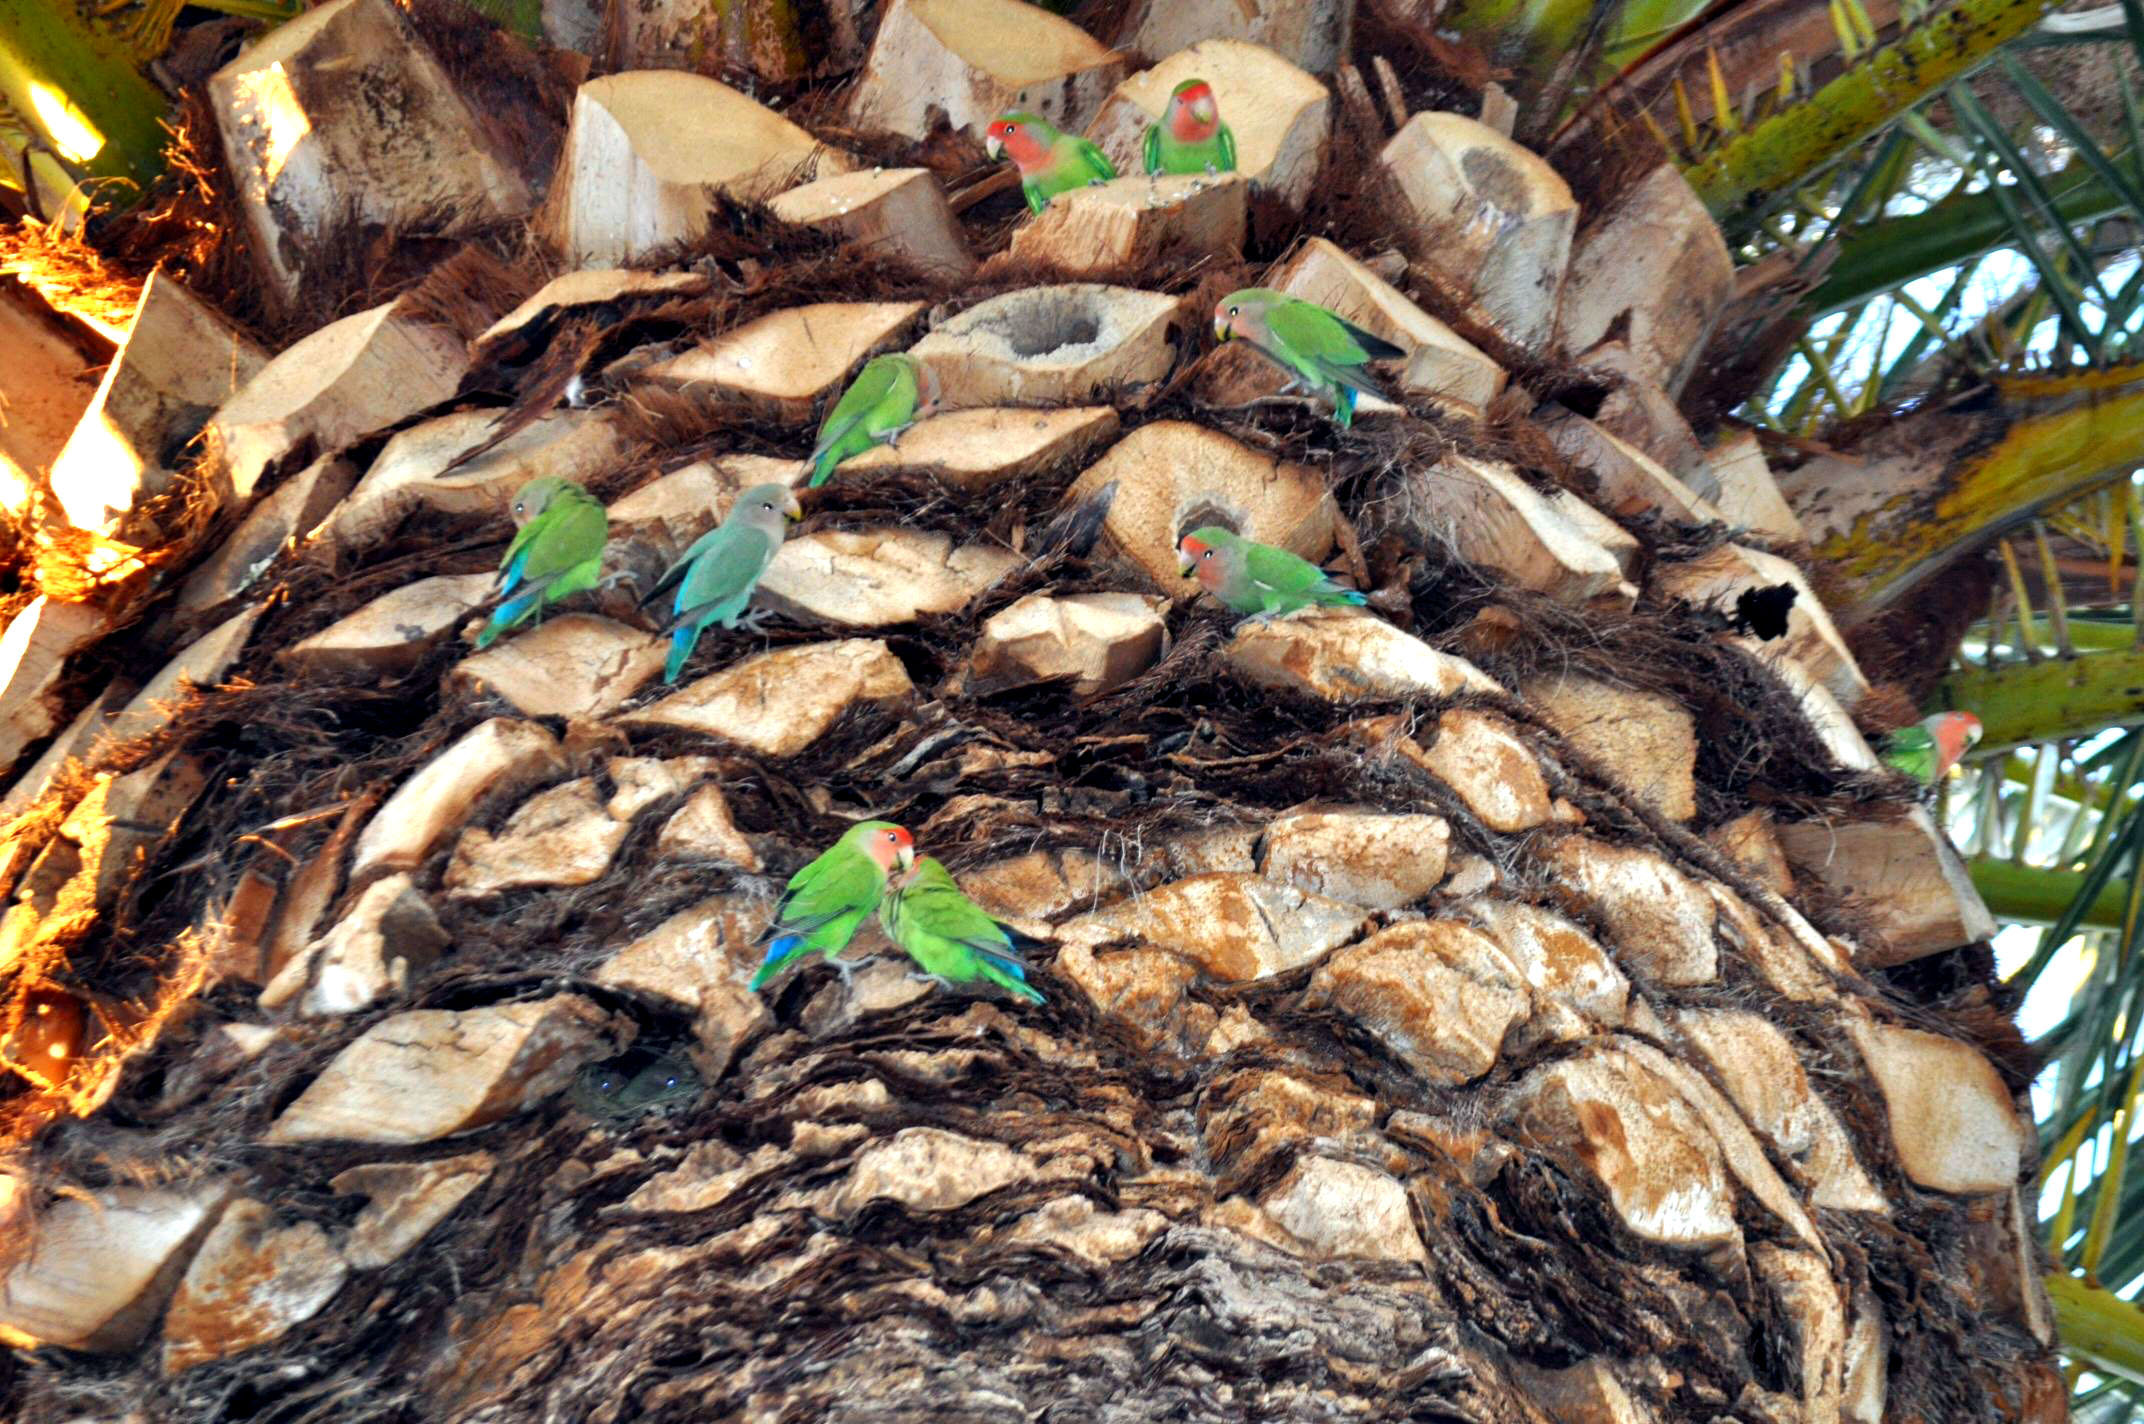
(873, 869)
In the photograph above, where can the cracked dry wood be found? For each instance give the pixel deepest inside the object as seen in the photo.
(972, 60)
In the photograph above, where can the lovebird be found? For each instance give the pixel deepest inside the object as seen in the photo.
(1928, 750)
(1190, 137)
(1256, 578)
(828, 900)
(951, 937)
(1319, 350)
(888, 395)
(557, 552)
(1050, 162)
(716, 576)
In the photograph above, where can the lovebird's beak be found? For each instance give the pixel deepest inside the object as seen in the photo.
(792, 511)
(905, 857)
(1186, 565)
(992, 147)
(1220, 329)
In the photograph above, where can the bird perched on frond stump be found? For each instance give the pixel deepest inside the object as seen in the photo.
(1256, 578)
(1320, 350)
(1050, 162)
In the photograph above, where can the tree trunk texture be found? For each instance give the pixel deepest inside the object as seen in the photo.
(1458, 1008)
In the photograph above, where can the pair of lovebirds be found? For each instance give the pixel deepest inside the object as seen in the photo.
(874, 869)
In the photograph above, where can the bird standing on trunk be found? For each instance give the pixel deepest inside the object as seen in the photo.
(1255, 578)
(557, 552)
(950, 937)
(1318, 349)
(1190, 137)
(1050, 162)
(888, 395)
(718, 573)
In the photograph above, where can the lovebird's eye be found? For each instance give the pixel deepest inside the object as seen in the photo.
(1231, 311)
(766, 506)
(1012, 128)
(1207, 555)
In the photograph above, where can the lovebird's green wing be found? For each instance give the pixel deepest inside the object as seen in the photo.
(1334, 348)
(1913, 751)
(821, 908)
(1150, 150)
(1090, 160)
(1287, 582)
(844, 431)
(1226, 141)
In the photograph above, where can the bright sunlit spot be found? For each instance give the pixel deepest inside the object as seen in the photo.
(77, 139)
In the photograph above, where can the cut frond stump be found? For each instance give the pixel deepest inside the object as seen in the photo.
(103, 1265)
(343, 114)
(33, 653)
(873, 578)
(1497, 521)
(1952, 1120)
(1311, 33)
(500, 755)
(781, 702)
(1628, 481)
(900, 212)
(1489, 220)
(647, 149)
(1748, 497)
(1280, 114)
(180, 361)
(1132, 221)
(573, 665)
(1344, 656)
(1440, 363)
(1653, 268)
(1718, 579)
(292, 511)
(1903, 876)
(786, 360)
(1173, 477)
(972, 60)
(1095, 641)
(1052, 345)
(978, 449)
(394, 631)
(347, 379)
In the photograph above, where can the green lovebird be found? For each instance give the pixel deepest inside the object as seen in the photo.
(1318, 349)
(1050, 162)
(826, 901)
(557, 552)
(1257, 578)
(1928, 750)
(1190, 138)
(716, 576)
(950, 936)
(888, 395)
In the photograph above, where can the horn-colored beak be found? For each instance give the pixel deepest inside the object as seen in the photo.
(992, 147)
(905, 857)
(791, 510)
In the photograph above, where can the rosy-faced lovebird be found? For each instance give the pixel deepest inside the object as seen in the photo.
(888, 395)
(1190, 138)
(716, 576)
(950, 937)
(1256, 578)
(557, 552)
(830, 898)
(1050, 162)
(1318, 349)
(1928, 750)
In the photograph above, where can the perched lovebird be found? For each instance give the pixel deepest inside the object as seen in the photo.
(716, 576)
(1928, 750)
(1050, 162)
(557, 552)
(828, 900)
(1318, 349)
(1256, 578)
(950, 936)
(1190, 138)
(888, 395)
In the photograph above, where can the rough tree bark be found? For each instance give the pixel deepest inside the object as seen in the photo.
(1458, 1008)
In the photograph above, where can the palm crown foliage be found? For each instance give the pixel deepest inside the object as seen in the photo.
(1935, 196)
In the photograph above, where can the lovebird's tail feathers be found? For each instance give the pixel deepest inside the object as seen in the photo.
(506, 615)
(681, 643)
(784, 951)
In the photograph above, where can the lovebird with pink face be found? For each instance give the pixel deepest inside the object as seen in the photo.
(1320, 350)
(828, 900)
(1050, 162)
(1928, 750)
(1190, 138)
(1256, 578)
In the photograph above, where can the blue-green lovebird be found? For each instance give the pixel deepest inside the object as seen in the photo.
(717, 575)
(1050, 162)
(1190, 137)
(951, 937)
(1317, 348)
(828, 900)
(557, 552)
(888, 395)
(1256, 578)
